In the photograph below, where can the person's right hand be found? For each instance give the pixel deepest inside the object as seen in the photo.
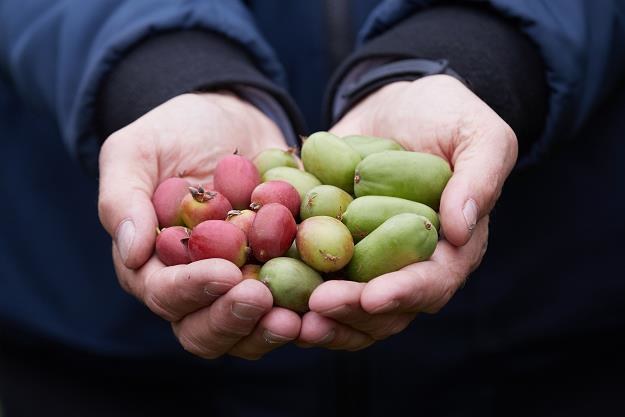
(212, 310)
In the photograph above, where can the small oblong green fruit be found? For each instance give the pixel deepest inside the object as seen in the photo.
(366, 145)
(325, 200)
(324, 243)
(290, 281)
(400, 241)
(331, 160)
(274, 157)
(414, 176)
(301, 180)
(365, 214)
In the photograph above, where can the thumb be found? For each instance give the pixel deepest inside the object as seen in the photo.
(127, 181)
(481, 166)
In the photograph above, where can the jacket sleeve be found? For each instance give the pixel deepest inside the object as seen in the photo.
(578, 42)
(57, 53)
(498, 63)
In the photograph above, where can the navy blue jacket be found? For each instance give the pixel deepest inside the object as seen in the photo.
(551, 286)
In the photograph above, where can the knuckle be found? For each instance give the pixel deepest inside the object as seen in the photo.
(475, 263)
(441, 300)
(509, 135)
(155, 292)
(381, 330)
(399, 326)
(394, 327)
(192, 345)
(510, 143)
(125, 284)
(106, 204)
(381, 334)
(154, 302)
(227, 330)
(128, 280)
(144, 151)
(456, 272)
(109, 143)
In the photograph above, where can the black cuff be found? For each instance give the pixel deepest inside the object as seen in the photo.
(497, 61)
(169, 64)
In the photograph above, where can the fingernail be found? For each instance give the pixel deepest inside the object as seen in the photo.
(124, 237)
(216, 289)
(245, 311)
(273, 338)
(326, 339)
(469, 211)
(391, 305)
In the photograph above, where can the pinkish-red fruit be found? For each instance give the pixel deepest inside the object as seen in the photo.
(218, 239)
(250, 271)
(200, 205)
(272, 232)
(243, 219)
(166, 200)
(276, 192)
(171, 245)
(236, 177)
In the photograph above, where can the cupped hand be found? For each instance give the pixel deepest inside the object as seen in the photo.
(213, 311)
(438, 115)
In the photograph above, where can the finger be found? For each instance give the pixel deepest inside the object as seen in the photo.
(213, 331)
(340, 300)
(127, 180)
(321, 331)
(427, 286)
(481, 165)
(175, 291)
(133, 280)
(275, 329)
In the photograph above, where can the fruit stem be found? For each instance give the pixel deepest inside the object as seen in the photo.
(233, 213)
(309, 200)
(200, 194)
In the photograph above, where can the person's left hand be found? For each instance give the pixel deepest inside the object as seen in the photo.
(438, 115)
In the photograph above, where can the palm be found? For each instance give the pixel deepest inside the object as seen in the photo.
(417, 120)
(212, 310)
(189, 134)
